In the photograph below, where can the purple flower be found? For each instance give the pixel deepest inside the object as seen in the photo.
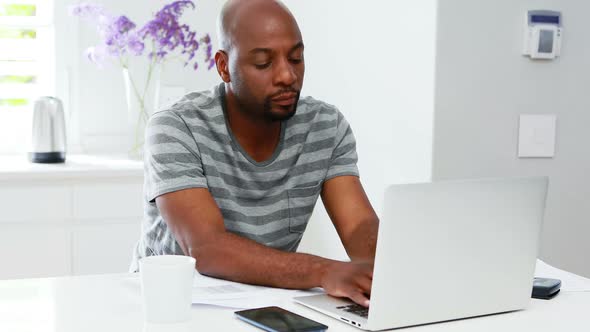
(117, 33)
(168, 34)
(123, 24)
(135, 44)
(97, 54)
(120, 36)
(166, 31)
(87, 11)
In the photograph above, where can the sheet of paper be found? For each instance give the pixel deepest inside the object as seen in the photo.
(230, 294)
(225, 291)
(569, 282)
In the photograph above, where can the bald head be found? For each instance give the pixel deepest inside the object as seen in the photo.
(238, 17)
(260, 58)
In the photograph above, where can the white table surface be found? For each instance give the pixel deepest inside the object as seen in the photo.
(112, 303)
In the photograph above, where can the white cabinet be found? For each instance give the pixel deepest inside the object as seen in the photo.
(79, 218)
(31, 251)
(103, 248)
(28, 202)
(104, 200)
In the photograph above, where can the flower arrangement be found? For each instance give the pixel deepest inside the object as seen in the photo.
(160, 39)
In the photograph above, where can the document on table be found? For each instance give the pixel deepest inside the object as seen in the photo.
(226, 293)
(569, 282)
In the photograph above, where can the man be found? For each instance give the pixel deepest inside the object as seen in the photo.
(232, 175)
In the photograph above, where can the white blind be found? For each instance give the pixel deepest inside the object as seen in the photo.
(27, 67)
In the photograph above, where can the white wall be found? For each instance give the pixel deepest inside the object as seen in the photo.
(483, 84)
(374, 60)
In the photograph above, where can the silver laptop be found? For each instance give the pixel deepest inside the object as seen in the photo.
(449, 250)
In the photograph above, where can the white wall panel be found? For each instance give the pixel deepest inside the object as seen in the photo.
(39, 203)
(483, 84)
(34, 251)
(107, 200)
(104, 248)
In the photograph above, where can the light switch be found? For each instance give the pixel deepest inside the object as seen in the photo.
(536, 136)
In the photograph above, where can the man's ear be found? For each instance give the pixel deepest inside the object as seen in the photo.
(221, 59)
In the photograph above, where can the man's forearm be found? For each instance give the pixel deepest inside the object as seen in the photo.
(239, 259)
(361, 244)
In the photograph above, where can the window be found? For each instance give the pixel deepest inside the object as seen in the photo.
(27, 67)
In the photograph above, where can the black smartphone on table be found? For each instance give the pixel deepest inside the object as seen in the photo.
(276, 319)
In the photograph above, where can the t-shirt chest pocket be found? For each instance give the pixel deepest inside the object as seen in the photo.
(301, 204)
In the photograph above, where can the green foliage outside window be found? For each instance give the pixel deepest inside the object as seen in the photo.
(16, 33)
(18, 10)
(17, 79)
(13, 102)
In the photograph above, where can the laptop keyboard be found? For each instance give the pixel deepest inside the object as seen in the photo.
(356, 309)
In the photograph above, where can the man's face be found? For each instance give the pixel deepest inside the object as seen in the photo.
(266, 67)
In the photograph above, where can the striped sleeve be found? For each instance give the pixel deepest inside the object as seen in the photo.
(344, 157)
(172, 159)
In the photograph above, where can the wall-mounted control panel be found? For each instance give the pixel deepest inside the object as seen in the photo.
(543, 33)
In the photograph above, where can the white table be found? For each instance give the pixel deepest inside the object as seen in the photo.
(112, 303)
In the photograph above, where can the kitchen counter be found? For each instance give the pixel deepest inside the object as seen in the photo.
(80, 217)
(18, 168)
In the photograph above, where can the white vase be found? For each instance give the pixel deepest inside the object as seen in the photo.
(142, 89)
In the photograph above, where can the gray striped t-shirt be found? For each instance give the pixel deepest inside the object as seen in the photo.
(191, 146)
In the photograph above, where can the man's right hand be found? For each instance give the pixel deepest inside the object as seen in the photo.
(349, 279)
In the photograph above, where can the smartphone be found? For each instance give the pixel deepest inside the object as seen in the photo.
(275, 319)
(545, 288)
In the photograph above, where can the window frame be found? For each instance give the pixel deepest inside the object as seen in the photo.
(15, 122)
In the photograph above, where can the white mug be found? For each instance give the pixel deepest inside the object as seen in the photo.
(166, 287)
